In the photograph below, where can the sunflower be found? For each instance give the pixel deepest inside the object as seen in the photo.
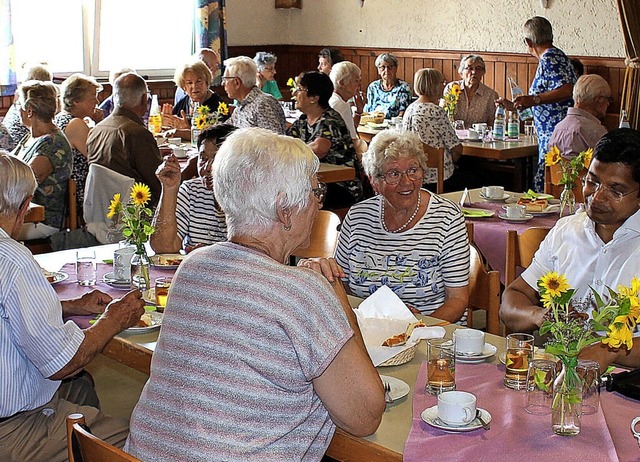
(552, 157)
(588, 154)
(114, 206)
(619, 334)
(554, 283)
(546, 299)
(455, 89)
(223, 109)
(200, 122)
(140, 194)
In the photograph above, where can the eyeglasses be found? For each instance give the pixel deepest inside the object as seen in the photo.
(228, 77)
(474, 68)
(269, 68)
(608, 98)
(296, 90)
(320, 192)
(394, 176)
(385, 66)
(606, 191)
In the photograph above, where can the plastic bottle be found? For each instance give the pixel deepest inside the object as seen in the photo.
(499, 124)
(195, 132)
(155, 119)
(513, 127)
(525, 114)
(624, 120)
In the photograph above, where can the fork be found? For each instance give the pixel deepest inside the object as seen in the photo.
(387, 393)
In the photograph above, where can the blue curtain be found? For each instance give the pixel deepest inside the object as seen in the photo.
(210, 31)
(7, 57)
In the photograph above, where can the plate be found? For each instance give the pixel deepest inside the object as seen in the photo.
(376, 126)
(477, 213)
(488, 351)
(56, 277)
(551, 208)
(109, 279)
(149, 296)
(156, 322)
(167, 260)
(527, 217)
(399, 389)
(504, 197)
(430, 416)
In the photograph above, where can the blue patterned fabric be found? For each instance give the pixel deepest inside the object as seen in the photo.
(7, 59)
(391, 102)
(210, 30)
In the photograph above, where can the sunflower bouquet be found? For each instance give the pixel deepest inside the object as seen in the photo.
(450, 99)
(293, 87)
(569, 168)
(204, 118)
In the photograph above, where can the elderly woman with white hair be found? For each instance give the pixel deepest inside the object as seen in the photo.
(347, 80)
(282, 353)
(406, 238)
(476, 103)
(389, 94)
(266, 76)
(47, 152)
(255, 108)
(79, 100)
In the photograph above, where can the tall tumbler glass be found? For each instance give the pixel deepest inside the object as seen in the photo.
(519, 354)
(441, 365)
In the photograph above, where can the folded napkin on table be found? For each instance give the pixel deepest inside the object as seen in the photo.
(476, 212)
(383, 315)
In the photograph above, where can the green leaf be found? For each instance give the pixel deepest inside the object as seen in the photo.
(545, 327)
(539, 379)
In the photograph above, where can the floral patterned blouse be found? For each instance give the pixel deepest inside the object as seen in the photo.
(52, 191)
(332, 127)
(391, 102)
(80, 165)
(432, 125)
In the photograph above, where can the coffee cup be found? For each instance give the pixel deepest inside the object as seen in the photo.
(469, 341)
(122, 263)
(473, 134)
(493, 192)
(480, 127)
(456, 408)
(179, 152)
(516, 211)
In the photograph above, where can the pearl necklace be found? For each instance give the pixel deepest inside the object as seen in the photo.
(401, 228)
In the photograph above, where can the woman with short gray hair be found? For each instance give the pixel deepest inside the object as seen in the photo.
(476, 103)
(389, 94)
(346, 78)
(266, 75)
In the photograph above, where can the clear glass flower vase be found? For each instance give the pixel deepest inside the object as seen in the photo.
(567, 201)
(140, 268)
(566, 408)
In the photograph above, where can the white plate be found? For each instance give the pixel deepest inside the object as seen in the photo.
(500, 199)
(489, 350)
(109, 279)
(399, 389)
(430, 416)
(157, 260)
(553, 208)
(58, 276)
(526, 217)
(156, 322)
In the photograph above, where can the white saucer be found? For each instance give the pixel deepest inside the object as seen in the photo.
(430, 416)
(110, 279)
(399, 389)
(488, 351)
(499, 199)
(526, 217)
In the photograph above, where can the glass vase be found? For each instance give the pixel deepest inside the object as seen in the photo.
(567, 200)
(140, 267)
(566, 408)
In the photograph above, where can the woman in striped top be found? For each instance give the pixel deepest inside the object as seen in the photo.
(406, 238)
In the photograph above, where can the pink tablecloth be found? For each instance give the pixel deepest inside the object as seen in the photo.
(490, 234)
(514, 434)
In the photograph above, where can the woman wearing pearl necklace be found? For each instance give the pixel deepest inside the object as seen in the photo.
(406, 238)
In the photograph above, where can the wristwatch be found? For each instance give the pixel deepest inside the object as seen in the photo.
(536, 99)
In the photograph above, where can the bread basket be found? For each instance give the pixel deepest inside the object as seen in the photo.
(404, 356)
(375, 117)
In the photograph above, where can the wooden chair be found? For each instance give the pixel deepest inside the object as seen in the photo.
(484, 288)
(72, 205)
(520, 250)
(324, 237)
(552, 177)
(435, 159)
(83, 446)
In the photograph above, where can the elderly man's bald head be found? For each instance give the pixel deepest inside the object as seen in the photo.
(210, 58)
(128, 91)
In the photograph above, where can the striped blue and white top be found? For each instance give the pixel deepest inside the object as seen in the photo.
(416, 264)
(199, 215)
(34, 342)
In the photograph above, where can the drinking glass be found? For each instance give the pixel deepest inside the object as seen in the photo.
(519, 354)
(589, 371)
(441, 365)
(86, 267)
(540, 378)
(162, 291)
(529, 130)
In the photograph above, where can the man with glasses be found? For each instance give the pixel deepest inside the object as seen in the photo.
(582, 128)
(476, 103)
(598, 247)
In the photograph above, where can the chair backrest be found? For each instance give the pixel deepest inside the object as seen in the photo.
(88, 446)
(102, 183)
(520, 250)
(72, 205)
(552, 177)
(324, 237)
(435, 159)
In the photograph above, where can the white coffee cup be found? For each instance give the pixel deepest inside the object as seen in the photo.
(469, 341)
(516, 211)
(473, 134)
(122, 263)
(456, 408)
(493, 192)
(480, 127)
(179, 152)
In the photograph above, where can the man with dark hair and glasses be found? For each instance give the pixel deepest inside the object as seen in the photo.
(599, 246)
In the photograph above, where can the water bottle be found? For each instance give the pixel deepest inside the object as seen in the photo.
(513, 127)
(499, 124)
(155, 119)
(624, 120)
(525, 114)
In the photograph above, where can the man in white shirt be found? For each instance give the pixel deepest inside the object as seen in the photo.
(39, 354)
(599, 247)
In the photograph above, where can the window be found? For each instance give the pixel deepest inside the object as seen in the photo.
(94, 36)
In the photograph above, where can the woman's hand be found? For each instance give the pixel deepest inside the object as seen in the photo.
(169, 172)
(506, 103)
(328, 267)
(172, 121)
(359, 100)
(523, 102)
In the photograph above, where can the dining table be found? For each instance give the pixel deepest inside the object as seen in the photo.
(402, 434)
